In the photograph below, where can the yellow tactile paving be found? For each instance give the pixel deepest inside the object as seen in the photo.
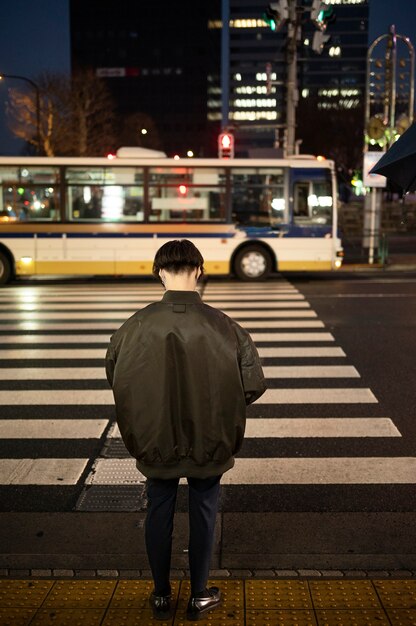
(397, 594)
(344, 594)
(277, 594)
(245, 603)
(79, 594)
(16, 617)
(23, 593)
(68, 617)
(358, 617)
(275, 617)
(402, 617)
(134, 594)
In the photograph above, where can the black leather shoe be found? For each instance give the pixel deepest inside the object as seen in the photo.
(161, 607)
(198, 606)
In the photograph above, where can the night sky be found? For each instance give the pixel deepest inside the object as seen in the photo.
(34, 37)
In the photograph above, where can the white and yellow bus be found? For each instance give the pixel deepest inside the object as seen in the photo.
(88, 216)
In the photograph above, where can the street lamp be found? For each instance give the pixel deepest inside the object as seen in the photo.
(37, 91)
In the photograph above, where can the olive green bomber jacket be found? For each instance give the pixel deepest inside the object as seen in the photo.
(182, 373)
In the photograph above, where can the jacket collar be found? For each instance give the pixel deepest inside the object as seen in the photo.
(182, 297)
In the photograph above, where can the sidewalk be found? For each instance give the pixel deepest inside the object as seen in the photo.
(318, 600)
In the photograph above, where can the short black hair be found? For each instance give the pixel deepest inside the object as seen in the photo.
(177, 256)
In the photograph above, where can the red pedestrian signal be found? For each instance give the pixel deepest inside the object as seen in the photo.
(225, 145)
(183, 190)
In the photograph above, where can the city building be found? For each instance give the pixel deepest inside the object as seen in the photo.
(158, 60)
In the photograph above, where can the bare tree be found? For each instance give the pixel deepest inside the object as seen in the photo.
(76, 115)
(93, 127)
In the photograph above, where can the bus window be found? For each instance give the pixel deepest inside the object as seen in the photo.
(105, 193)
(312, 202)
(187, 194)
(311, 196)
(29, 194)
(258, 196)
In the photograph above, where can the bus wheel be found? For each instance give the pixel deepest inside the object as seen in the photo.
(252, 263)
(5, 269)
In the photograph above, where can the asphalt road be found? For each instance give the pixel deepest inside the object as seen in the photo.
(326, 476)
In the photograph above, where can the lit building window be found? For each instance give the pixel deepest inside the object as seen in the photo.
(214, 116)
(214, 104)
(252, 116)
(263, 76)
(253, 89)
(258, 102)
(241, 23)
(335, 51)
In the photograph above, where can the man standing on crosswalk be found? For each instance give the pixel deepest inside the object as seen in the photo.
(182, 374)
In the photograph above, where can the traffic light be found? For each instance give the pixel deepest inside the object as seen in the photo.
(225, 145)
(320, 14)
(276, 14)
(319, 40)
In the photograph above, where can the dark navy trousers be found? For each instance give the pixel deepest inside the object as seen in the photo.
(203, 507)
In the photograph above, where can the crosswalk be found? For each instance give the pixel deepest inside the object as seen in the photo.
(316, 425)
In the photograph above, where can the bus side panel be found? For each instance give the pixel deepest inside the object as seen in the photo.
(301, 254)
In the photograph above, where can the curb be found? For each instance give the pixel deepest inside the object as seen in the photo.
(222, 573)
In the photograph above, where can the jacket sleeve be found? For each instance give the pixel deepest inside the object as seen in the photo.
(110, 363)
(250, 367)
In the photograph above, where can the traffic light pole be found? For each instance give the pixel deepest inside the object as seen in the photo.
(292, 89)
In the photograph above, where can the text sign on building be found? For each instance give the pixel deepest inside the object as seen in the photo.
(372, 180)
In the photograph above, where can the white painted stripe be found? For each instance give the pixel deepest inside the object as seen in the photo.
(54, 301)
(282, 471)
(289, 313)
(123, 315)
(268, 297)
(287, 324)
(112, 326)
(317, 396)
(110, 305)
(310, 371)
(99, 353)
(117, 315)
(105, 396)
(56, 396)
(55, 339)
(50, 353)
(41, 471)
(264, 305)
(321, 427)
(301, 352)
(52, 429)
(37, 325)
(52, 373)
(134, 291)
(278, 337)
(322, 471)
